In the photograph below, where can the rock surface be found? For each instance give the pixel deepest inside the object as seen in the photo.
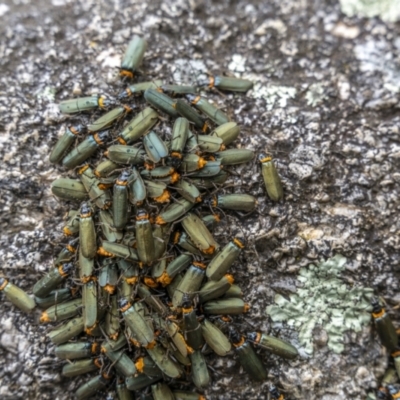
(325, 105)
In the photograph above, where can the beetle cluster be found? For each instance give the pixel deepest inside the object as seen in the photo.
(152, 286)
(389, 337)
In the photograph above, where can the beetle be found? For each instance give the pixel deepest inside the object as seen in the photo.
(139, 88)
(207, 108)
(180, 133)
(133, 56)
(247, 356)
(174, 211)
(73, 351)
(191, 115)
(87, 232)
(228, 132)
(160, 357)
(120, 200)
(65, 142)
(191, 325)
(161, 102)
(273, 345)
(51, 280)
(214, 289)
(144, 237)
(234, 156)
(69, 189)
(16, 296)
(215, 338)
(155, 147)
(81, 367)
(105, 168)
(87, 103)
(84, 149)
(200, 375)
(384, 326)
(227, 83)
(107, 119)
(199, 234)
(71, 226)
(92, 387)
(221, 263)
(60, 312)
(161, 391)
(232, 306)
(66, 331)
(271, 178)
(54, 297)
(139, 125)
(236, 202)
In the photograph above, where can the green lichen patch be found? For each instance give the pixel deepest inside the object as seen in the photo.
(325, 301)
(388, 10)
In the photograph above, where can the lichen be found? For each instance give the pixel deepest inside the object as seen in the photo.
(325, 301)
(388, 10)
(274, 94)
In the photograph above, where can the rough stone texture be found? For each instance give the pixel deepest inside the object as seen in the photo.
(325, 105)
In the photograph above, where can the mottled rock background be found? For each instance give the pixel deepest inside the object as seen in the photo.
(325, 104)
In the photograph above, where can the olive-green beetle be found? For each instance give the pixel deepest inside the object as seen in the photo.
(87, 232)
(154, 302)
(190, 283)
(122, 363)
(86, 267)
(108, 277)
(199, 234)
(212, 169)
(210, 144)
(211, 182)
(214, 289)
(160, 357)
(130, 271)
(178, 89)
(141, 381)
(192, 163)
(17, 296)
(69, 189)
(234, 156)
(232, 306)
(236, 202)
(273, 345)
(67, 253)
(137, 324)
(188, 191)
(182, 240)
(161, 234)
(180, 133)
(80, 367)
(83, 104)
(91, 387)
(89, 301)
(215, 338)
(141, 124)
(155, 147)
(247, 356)
(176, 266)
(122, 391)
(122, 154)
(182, 395)
(158, 172)
(139, 88)
(71, 226)
(112, 321)
(137, 189)
(224, 259)
(133, 56)
(66, 331)
(161, 101)
(161, 391)
(73, 351)
(191, 325)
(107, 227)
(227, 83)
(120, 200)
(65, 142)
(191, 115)
(200, 375)
(144, 237)
(109, 249)
(107, 119)
(84, 150)
(207, 108)
(51, 280)
(105, 168)
(228, 132)
(384, 326)
(60, 312)
(174, 211)
(55, 297)
(233, 291)
(192, 146)
(98, 193)
(271, 178)
(157, 191)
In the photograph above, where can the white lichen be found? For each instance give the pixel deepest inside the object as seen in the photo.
(324, 301)
(274, 94)
(388, 10)
(315, 95)
(238, 63)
